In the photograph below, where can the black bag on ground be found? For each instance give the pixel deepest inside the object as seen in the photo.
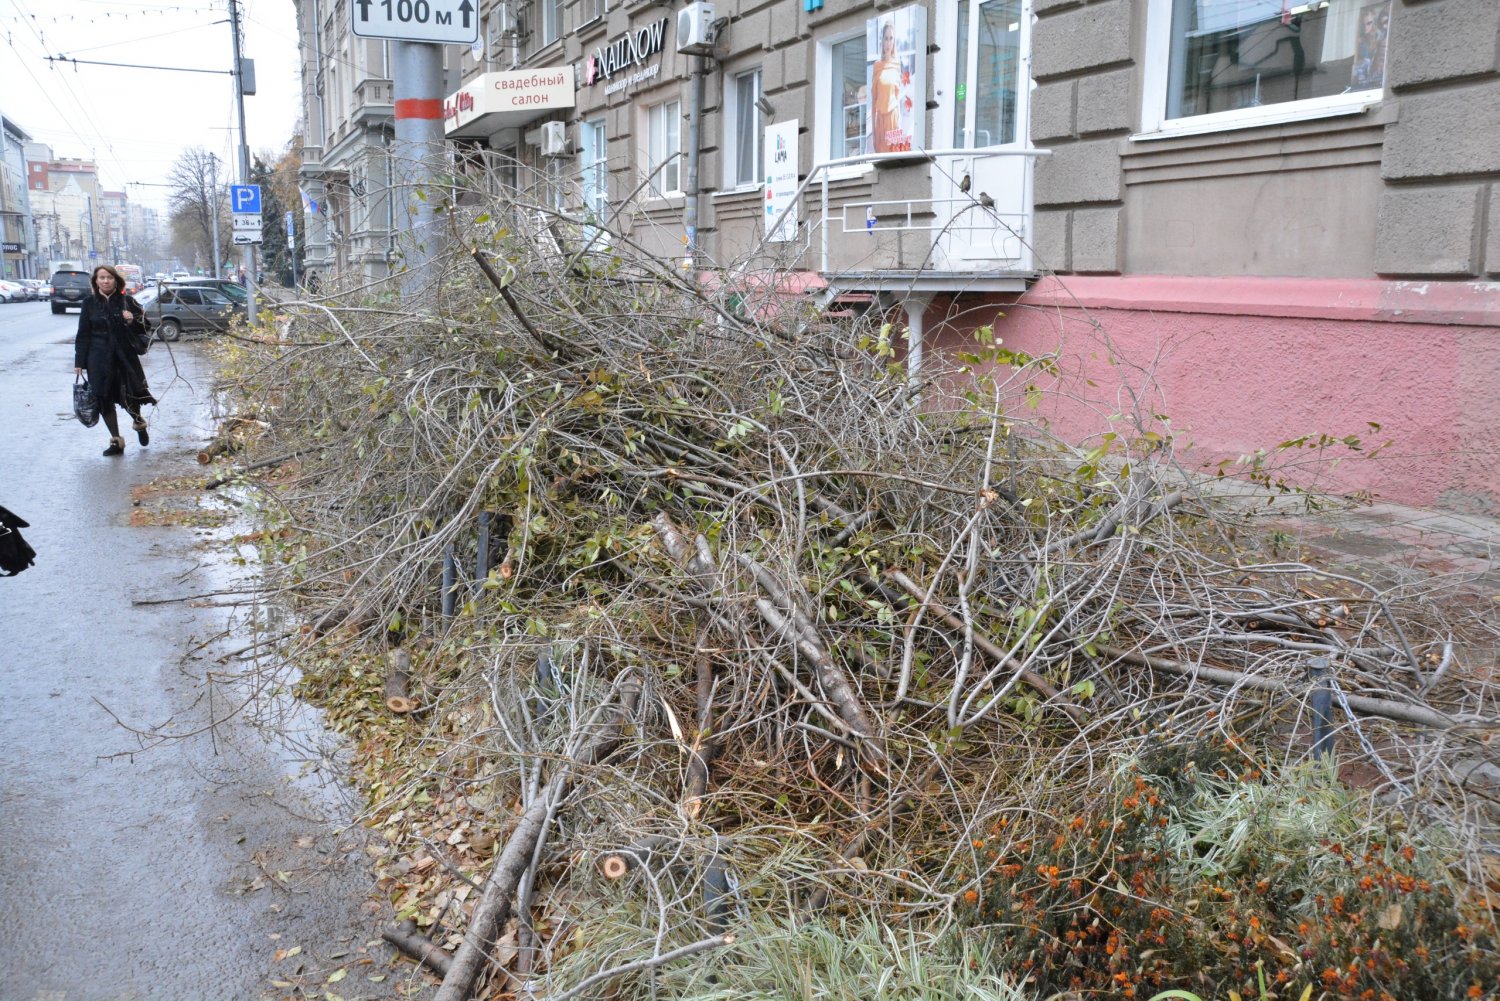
(85, 403)
(15, 553)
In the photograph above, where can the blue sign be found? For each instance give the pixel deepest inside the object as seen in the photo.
(244, 198)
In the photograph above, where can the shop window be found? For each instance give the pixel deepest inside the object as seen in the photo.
(850, 113)
(871, 85)
(744, 132)
(1228, 63)
(664, 147)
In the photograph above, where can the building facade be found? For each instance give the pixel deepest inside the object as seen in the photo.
(17, 229)
(68, 206)
(348, 116)
(1256, 221)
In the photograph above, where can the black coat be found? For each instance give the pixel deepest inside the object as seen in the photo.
(103, 347)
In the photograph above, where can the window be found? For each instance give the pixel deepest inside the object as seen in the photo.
(850, 113)
(663, 146)
(1224, 63)
(594, 160)
(871, 86)
(552, 18)
(744, 133)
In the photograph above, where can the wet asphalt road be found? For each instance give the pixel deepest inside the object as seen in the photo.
(174, 872)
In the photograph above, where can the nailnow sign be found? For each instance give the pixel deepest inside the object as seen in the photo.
(494, 101)
(630, 49)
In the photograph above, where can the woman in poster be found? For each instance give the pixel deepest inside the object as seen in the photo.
(885, 95)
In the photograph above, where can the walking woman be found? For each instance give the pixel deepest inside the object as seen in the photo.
(103, 347)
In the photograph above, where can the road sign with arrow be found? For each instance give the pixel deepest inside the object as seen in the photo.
(454, 21)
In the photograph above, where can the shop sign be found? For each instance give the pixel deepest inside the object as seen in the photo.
(630, 49)
(781, 180)
(493, 101)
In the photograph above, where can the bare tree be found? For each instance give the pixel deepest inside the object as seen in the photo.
(197, 199)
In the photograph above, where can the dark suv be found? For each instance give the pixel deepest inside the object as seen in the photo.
(69, 289)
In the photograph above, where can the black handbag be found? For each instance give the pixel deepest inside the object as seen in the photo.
(15, 553)
(85, 403)
(139, 329)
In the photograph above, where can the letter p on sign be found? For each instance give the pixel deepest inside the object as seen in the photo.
(244, 198)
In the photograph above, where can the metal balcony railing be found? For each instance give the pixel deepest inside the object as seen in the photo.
(974, 230)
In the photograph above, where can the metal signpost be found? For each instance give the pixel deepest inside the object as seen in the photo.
(419, 29)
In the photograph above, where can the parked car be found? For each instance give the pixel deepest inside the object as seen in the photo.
(228, 286)
(69, 289)
(174, 309)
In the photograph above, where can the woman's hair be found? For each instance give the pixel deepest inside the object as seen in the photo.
(94, 278)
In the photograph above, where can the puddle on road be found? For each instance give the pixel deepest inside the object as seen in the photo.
(241, 665)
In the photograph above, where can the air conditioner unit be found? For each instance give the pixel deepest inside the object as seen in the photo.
(695, 29)
(554, 139)
(505, 19)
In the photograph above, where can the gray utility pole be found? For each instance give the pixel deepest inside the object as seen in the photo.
(213, 207)
(417, 70)
(239, 96)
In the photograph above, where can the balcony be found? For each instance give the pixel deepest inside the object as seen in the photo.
(967, 225)
(374, 102)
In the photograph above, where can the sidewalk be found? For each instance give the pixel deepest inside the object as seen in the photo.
(1402, 545)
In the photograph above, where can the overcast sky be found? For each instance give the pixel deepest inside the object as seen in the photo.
(135, 122)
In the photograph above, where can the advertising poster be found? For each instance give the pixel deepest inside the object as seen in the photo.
(781, 179)
(1374, 29)
(895, 43)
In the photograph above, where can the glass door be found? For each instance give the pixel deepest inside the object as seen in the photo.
(987, 193)
(986, 86)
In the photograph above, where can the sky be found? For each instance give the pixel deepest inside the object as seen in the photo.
(135, 123)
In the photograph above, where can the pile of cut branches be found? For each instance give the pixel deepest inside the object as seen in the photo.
(721, 632)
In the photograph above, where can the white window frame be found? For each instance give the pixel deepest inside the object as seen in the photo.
(551, 18)
(732, 130)
(659, 116)
(1156, 125)
(593, 165)
(822, 127)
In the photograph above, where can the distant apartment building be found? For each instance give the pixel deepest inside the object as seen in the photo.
(147, 239)
(1256, 219)
(67, 203)
(17, 230)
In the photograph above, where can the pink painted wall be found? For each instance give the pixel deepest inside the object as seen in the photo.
(1241, 364)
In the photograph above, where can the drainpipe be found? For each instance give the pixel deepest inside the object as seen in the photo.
(690, 210)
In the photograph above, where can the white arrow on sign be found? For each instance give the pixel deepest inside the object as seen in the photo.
(453, 21)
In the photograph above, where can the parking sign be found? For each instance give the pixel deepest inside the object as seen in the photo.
(244, 198)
